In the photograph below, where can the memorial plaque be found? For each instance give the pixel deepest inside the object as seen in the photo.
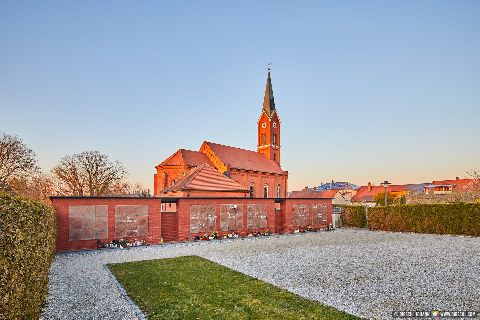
(256, 216)
(231, 217)
(131, 221)
(203, 218)
(87, 222)
(301, 217)
(319, 213)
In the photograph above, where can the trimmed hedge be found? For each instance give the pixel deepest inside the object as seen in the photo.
(453, 218)
(354, 216)
(27, 246)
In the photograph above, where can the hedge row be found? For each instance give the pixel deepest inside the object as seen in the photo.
(27, 246)
(454, 218)
(354, 216)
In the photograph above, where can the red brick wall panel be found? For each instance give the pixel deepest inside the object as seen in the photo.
(301, 215)
(62, 207)
(323, 206)
(231, 217)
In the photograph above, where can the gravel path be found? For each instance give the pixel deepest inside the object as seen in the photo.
(364, 273)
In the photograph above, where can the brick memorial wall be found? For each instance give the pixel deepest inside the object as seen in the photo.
(231, 217)
(301, 215)
(87, 222)
(84, 221)
(319, 213)
(131, 221)
(202, 218)
(256, 216)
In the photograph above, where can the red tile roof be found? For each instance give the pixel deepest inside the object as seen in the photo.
(314, 194)
(206, 178)
(364, 194)
(244, 159)
(458, 183)
(186, 158)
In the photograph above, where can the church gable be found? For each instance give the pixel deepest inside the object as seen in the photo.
(213, 157)
(173, 160)
(185, 158)
(236, 158)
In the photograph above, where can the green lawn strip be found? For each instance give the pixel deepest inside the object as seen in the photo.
(192, 287)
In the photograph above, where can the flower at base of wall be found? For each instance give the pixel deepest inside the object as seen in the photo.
(296, 231)
(230, 235)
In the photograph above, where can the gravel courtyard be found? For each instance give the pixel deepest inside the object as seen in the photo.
(368, 274)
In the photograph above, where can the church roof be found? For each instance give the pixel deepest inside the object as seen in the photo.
(186, 158)
(268, 99)
(244, 159)
(206, 178)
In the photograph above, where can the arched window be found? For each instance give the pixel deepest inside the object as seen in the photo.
(252, 190)
(264, 139)
(278, 190)
(275, 139)
(265, 191)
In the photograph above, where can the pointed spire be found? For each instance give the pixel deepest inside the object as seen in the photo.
(268, 100)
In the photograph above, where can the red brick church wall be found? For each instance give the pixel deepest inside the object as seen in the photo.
(166, 177)
(246, 178)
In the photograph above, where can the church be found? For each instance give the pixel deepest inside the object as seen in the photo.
(217, 170)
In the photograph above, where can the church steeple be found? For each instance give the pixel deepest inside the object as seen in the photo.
(268, 100)
(269, 126)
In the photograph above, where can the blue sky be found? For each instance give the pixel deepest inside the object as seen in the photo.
(366, 90)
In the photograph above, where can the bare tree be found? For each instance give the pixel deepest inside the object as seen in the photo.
(17, 161)
(130, 189)
(38, 186)
(89, 173)
(475, 174)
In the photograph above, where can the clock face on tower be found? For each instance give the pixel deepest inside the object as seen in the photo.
(264, 125)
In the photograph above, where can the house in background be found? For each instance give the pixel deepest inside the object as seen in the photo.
(337, 185)
(448, 186)
(339, 197)
(366, 194)
(416, 187)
